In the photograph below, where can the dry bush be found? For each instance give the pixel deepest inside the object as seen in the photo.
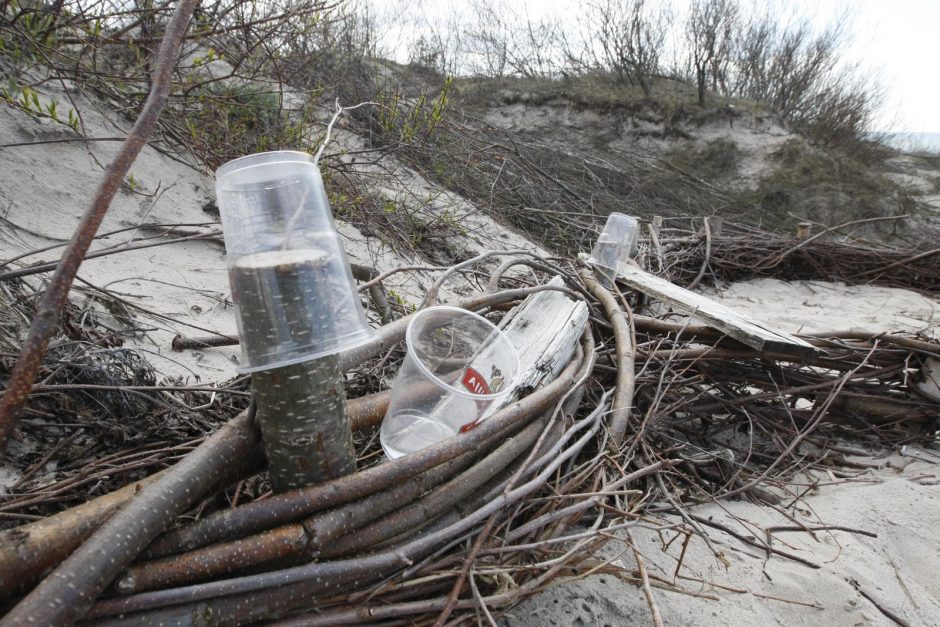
(806, 182)
(709, 33)
(631, 36)
(798, 70)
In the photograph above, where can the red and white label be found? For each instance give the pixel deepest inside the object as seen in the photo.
(474, 382)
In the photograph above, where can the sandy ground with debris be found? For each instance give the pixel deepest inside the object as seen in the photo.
(181, 288)
(891, 503)
(886, 555)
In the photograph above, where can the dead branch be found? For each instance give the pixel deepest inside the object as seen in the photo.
(625, 355)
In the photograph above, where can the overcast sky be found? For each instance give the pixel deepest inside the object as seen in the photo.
(901, 38)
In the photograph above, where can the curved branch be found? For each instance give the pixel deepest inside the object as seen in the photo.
(625, 355)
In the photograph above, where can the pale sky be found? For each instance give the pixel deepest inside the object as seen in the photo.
(901, 39)
(897, 40)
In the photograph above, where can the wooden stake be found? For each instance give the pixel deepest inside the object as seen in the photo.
(803, 230)
(304, 426)
(287, 306)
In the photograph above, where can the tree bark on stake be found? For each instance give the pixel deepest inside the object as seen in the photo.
(305, 430)
(46, 320)
(283, 297)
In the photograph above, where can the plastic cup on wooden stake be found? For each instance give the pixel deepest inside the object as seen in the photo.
(295, 298)
(297, 306)
(457, 368)
(614, 247)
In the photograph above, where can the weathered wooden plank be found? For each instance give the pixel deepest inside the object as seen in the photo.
(545, 329)
(735, 324)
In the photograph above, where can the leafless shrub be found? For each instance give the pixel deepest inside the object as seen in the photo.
(709, 33)
(631, 35)
(502, 42)
(798, 71)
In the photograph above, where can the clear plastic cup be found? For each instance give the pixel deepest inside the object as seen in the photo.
(458, 369)
(295, 298)
(615, 244)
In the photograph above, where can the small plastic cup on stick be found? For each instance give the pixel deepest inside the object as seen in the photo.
(614, 247)
(295, 297)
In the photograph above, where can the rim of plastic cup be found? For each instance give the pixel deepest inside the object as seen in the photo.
(618, 215)
(261, 158)
(445, 385)
(344, 343)
(594, 262)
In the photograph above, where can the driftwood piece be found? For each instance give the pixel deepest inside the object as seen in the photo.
(741, 327)
(27, 551)
(545, 329)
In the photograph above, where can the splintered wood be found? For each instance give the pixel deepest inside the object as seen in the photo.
(545, 329)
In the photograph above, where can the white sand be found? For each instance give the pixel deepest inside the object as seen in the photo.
(899, 502)
(818, 307)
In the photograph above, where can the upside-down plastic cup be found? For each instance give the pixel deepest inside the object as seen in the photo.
(615, 245)
(458, 368)
(294, 294)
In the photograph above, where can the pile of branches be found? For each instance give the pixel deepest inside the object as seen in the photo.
(743, 252)
(652, 415)
(558, 188)
(100, 415)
